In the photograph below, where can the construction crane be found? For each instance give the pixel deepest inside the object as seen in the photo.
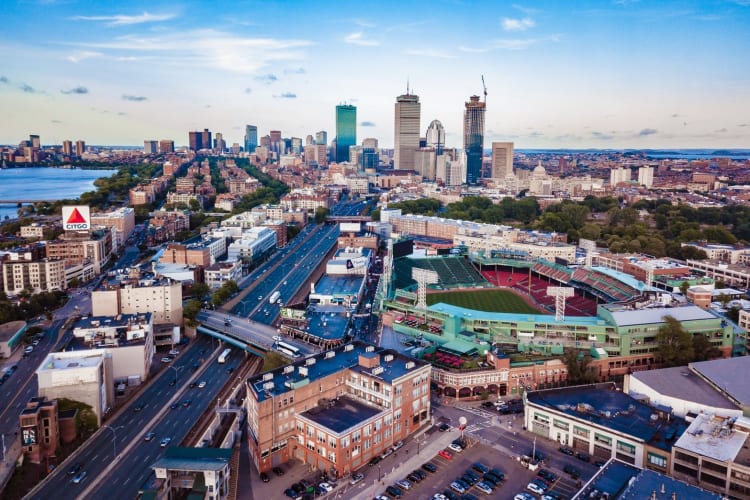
(485, 89)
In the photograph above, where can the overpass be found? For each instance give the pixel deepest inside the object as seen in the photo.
(236, 339)
(348, 218)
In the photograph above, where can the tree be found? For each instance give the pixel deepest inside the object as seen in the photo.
(675, 345)
(684, 286)
(199, 290)
(320, 215)
(579, 367)
(191, 310)
(703, 349)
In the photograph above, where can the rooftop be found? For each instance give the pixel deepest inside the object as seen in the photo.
(722, 374)
(308, 370)
(514, 317)
(682, 383)
(339, 285)
(717, 438)
(327, 322)
(341, 413)
(71, 360)
(604, 406)
(649, 483)
(9, 329)
(655, 315)
(194, 459)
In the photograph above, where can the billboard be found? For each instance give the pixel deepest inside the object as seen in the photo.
(76, 218)
(350, 227)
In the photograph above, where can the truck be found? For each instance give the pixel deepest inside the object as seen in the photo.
(274, 297)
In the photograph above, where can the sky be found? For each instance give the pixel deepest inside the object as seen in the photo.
(559, 74)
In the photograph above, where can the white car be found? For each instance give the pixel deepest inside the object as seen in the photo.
(439, 496)
(524, 496)
(164, 442)
(166, 360)
(535, 488)
(398, 445)
(484, 487)
(174, 352)
(326, 487)
(403, 483)
(202, 384)
(458, 488)
(455, 447)
(356, 478)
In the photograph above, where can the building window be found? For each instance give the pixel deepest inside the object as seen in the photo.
(657, 460)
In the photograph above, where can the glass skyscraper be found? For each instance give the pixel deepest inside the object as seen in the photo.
(346, 130)
(474, 138)
(251, 138)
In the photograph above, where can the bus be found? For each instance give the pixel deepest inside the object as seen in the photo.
(287, 349)
(274, 297)
(224, 355)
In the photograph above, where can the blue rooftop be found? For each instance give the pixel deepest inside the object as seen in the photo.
(603, 405)
(341, 413)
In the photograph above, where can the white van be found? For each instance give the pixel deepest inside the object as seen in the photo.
(28, 349)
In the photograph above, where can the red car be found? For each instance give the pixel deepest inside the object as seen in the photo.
(446, 454)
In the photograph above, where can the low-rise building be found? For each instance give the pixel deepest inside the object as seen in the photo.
(193, 473)
(221, 272)
(122, 220)
(40, 436)
(252, 245)
(43, 275)
(11, 337)
(122, 294)
(81, 248)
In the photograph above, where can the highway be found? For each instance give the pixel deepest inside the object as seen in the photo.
(131, 467)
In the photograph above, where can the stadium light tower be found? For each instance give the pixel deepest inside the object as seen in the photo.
(560, 293)
(423, 277)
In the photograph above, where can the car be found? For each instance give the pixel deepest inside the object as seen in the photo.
(403, 483)
(414, 477)
(375, 460)
(187, 402)
(488, 404)
(491, 476)
(356, 478)
(450, 495)
(75, 469)
(381, 497)
(457, 487)
(394, 492)
(139, 407)
(165, 441)
(174, 352)
(28, 349)
(420, 474)
(278, 471)
(149, 436)
(386, 453)
(552, 495)
(566, 451)
(468, 496)
(484, 487)
(460, 442)
(600, 463)
(446, 454)
(174, 406)
(524, 496)
(202, 384)
(397, 446)
(166, 359)
(326, 487)
(497, 472)
(444, 427)
(299, 487)
(547, 475)
(571, 471)
(584, 457)
(429, 467)
(35, 343)
(535, 488)
(439, 496)
(480, 467)
(192, 384)
(455, 447)
(291, 493)
(537, 455)
(79, 477)
(173, 382)
(264, 477)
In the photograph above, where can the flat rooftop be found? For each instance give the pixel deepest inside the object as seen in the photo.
(327, 322)
(339, 285)
(655, 315)
(346, 357)
(603, 405)
(194, 459)
(682, 383)
(119, 321)
(72, 360)
(612, 479)
(341, 414)
(715, 437)
(722, 373)
(9, 329)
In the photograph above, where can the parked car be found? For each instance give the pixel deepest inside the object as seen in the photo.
(455, 447)
(524, 496)
(488, 404)
(547, 475)
(278, 471)
(291, 493)
(584, 457)
(375, 460)
(264, 477)
(429, 467)
(445, 454)
(444, 427)
(456, 486)
(398, 445)
(326, 487)
(394, 491)
(174, 352)
(484, 487)
(567, 451)
(166, 359)
(356, 478)
(572, 471)
(403, 483)
(535, 488)
(480, 467)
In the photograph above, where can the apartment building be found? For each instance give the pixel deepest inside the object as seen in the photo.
(82, 248)
(43, 275)
(162, 297)
(338, 409)
(40, 434)
(122, 220)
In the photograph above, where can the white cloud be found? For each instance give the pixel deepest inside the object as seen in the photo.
(428, 53)
(204, 48)
(517, 24)
(81, 55)
(122, 19)
(357, 38)
(521, 43)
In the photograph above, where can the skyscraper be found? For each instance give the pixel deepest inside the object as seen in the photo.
(80, 148)
(166, 146)
(67, 147)
(150, 147)
(502, 160)
(321, 137)
(251, 138)
(474, 138)
(406, 137)
(436, 136)
(346, 130)
(199, 140)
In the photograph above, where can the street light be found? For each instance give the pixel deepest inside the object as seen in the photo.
(175, 373)
(378, 472)
(114, 439)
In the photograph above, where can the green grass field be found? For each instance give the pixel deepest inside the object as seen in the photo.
(485, 300)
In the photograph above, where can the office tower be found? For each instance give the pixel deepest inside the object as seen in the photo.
(502, 160)
(436, 136)
(265, 141)
(251, 138)
(166, 146)
(67, 148)
(34, 141)
(406, 137)
(370, 142)
(474, 138)
(296, 145)
(321, 137)
(80, 148)
(219, 143)
(309, 140)
(563, 165)
(425, 162)
(206, 139)
(646, 176)
(276, 144)
(199, 140)
(149, 147)
(619, 175)
(346, 130)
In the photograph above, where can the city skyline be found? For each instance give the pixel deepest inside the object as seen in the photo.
(601, 74)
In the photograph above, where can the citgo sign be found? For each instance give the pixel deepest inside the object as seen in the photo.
(76, 218)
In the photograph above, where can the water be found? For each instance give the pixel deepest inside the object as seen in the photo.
(44, 184)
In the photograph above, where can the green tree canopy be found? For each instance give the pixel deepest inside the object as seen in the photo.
(675, 344)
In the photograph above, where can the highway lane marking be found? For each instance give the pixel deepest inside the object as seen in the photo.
(95, 457)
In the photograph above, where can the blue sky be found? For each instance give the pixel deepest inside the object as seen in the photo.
(599, 74)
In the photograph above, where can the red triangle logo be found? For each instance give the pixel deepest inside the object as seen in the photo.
(76, 217)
